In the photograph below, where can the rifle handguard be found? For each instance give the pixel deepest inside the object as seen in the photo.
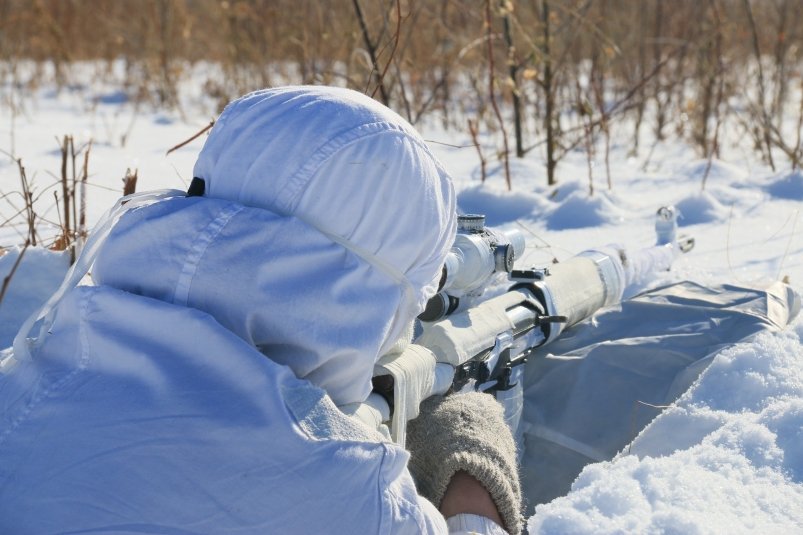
(462, 336)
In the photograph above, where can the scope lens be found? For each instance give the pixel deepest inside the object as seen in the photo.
(438, 307)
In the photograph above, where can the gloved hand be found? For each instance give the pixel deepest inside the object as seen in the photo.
(466, 432)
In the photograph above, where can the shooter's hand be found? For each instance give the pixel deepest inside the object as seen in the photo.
(465, 433)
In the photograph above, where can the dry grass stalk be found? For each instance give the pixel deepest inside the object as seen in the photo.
(195, 136)
(30, 214)
(72, 216)
(472, 128)
(67, 193)
(130, 182)
(7, 278)
(83, 233)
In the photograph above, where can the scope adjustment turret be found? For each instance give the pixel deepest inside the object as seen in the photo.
(470, 223)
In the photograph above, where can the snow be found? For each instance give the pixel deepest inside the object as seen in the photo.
(37, 276)
(727, 457)
(578, 210)
(700, 208)
(786, 186)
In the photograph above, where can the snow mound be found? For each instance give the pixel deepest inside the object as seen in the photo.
(725, 459)
(113, 97)
(701, 208)
(500, 206)
(787, 186)
(163, 120)
(38, 275)
(719, 171)
(564, 190)
(580, 210)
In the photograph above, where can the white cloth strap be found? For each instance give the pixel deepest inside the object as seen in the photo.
(372, 259)
(22, 342)
(413, 373)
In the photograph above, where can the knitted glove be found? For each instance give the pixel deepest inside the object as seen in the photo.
(466, 432)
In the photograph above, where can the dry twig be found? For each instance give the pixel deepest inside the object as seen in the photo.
(7, 278)
(193, 138)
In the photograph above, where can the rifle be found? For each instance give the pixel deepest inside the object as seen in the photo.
(483, 347)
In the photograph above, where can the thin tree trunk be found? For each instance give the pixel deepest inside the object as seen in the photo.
(513, 71)
(492, 95)
(548, 84)
(762, 91)
(375, 70)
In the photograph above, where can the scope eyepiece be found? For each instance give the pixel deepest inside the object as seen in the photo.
(477, 253)
(439, 306)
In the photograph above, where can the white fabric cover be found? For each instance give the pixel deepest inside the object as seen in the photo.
(464, 335)
(413, 372)
(582, 392)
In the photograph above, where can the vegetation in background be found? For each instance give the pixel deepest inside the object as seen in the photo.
(565, 73)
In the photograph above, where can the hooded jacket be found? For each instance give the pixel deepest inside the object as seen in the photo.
(193, 387)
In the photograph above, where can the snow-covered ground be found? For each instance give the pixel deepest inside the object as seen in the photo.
(726, 458)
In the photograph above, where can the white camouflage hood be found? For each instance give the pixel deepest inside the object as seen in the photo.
(321, 234)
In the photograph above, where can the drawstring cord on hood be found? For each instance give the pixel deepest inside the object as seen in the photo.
(388, 269)
(23, 343)
(198, 188)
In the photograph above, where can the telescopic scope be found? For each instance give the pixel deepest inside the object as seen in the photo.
(478, 252)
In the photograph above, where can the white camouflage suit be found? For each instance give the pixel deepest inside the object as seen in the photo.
(193, 387)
